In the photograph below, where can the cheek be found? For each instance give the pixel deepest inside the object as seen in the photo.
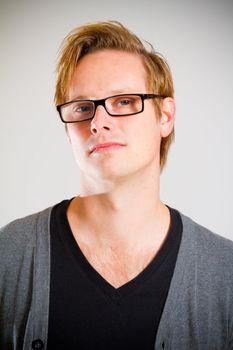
(147, 135)
(77, 135)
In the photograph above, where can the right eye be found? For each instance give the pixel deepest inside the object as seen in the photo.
(82, 108)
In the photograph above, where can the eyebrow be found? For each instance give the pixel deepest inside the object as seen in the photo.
(111, 93)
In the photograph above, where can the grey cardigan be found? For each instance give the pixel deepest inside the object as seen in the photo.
(198, 313)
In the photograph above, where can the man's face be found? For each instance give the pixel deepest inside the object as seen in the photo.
(99, 75)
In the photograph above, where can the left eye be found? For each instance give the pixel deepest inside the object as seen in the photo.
(124, 102)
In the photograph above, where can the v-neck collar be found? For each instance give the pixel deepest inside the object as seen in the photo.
(98, 280)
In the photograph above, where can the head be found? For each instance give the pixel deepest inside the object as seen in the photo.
(112, 35)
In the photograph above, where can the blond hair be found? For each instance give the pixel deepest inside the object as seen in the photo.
(113, 35)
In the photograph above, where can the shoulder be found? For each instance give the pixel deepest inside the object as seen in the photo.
(209, 249)
(20, 233)
(205, 237)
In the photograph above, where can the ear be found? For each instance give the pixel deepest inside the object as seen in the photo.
(168, 116)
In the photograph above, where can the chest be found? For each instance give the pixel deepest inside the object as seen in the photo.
(117, 265)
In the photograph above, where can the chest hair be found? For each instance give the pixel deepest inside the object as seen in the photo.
(115, 264)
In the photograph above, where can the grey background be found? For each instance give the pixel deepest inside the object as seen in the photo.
(37, 165)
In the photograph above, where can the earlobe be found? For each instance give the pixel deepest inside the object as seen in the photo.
(168, 116)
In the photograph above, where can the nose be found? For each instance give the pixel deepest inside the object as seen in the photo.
(101, 122)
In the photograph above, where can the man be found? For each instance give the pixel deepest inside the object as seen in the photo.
(115, 268)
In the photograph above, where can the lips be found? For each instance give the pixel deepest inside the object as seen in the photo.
(105, 145)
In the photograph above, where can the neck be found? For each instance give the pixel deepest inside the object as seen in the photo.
(129, 214)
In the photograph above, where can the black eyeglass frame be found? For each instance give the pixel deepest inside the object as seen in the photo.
(102, 101)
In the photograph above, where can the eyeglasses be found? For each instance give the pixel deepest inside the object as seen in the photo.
(115, 106)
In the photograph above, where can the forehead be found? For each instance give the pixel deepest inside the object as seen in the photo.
(107, 72)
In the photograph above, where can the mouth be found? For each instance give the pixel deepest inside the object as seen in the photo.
(106, 147)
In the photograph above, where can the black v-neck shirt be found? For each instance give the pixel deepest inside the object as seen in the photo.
(86, 312)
